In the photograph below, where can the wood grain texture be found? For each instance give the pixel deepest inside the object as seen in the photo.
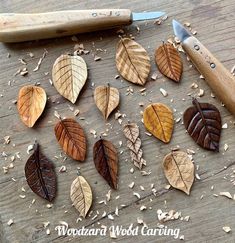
(215, 25)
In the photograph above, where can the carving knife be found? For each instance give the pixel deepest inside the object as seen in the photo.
(24, 27)
(221, 81)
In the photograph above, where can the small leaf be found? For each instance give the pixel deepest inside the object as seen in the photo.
(169, 62)
(69, 75)
(71, 138)
(31, 103)
(131, 132)
(158, 120)
(179, 170)
(40, 175)
(132, 61)
(106, 99)
(106, 161)
(81, 195)
(203, 123)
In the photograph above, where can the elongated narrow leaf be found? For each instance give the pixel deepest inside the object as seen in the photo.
(203, 123)
(158, 120)
(106, 161)
(132, 61)
(71, 138)
(179, 170)
(31, 103)
(131, 132)
(40, 175)
(106, 99)
(81, 195)
(169, 62)
(69, 76)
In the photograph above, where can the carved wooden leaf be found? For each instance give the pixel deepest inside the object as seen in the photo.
(132, 61)
(69, 75)
(71, 138)
(40, 175)
(169, 61)
(179, 170)
(106, 99)
(31, 103)
(203, 123)
(158, 120)
(106, 161)
(131, 132)
(81, 195)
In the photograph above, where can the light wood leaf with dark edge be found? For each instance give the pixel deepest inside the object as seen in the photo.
(158, 120)
(203, 123)
(71, 138)
(179, 170)
(132, 61)
(31, 103)
(69, 75)
(106, 161)
(40, 175)
(131, 132)
(169, 62)
(81, 195)
(106, 99)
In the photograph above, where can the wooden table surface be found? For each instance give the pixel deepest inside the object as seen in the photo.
(214, 21)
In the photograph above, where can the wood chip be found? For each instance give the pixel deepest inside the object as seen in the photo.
(164, 92)
(10, 222)
(226, 229)
(226, 194)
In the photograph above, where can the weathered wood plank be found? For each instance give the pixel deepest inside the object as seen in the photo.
(215, 23)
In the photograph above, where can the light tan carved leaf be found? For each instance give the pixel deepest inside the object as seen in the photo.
(69, 75)
(179, 170)
(131, 132)
(132, 61)
(81, 195)
(31, 103)
(106, 99)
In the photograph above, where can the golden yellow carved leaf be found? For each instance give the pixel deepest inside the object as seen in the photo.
(179, 170)
(69, 75)
(132, 61)
(81, 195)
(158, 120)
(106, 99)
(31, 103)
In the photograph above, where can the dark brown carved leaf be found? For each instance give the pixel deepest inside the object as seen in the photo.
(71, 138)
(203, 123)
(40, 175)
(169, 62)
(106, 161)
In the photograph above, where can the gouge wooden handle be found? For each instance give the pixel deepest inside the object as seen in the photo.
(221, 81)
(24, 27)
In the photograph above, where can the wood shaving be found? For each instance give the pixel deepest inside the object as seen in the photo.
(136, 194)
(154, 76)
(226, 229)
(10, 222)
(40, 61)
(164, 92)
(225, 126)
(226, 194)
(226, 147)
(201, 93)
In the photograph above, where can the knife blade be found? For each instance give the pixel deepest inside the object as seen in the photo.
(25, 27)
(221, 81)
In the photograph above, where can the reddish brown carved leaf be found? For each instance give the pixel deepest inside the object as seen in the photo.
(203, 123)
(71, 138)
(106, 161)
(169, 62)
(40, 175)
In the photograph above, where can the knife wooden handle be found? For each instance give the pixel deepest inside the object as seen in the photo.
(221, 81)
(24, 27)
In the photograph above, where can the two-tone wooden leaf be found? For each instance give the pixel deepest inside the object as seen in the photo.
(106, 99)
(40, 175)
(158, 120)
(131, 132)
(203, 123)
(31, 103)
(106, 161)
(81, 195)
(179, 170)
(169, 62)
(132, 61)
(71, 138)
(69, 75)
